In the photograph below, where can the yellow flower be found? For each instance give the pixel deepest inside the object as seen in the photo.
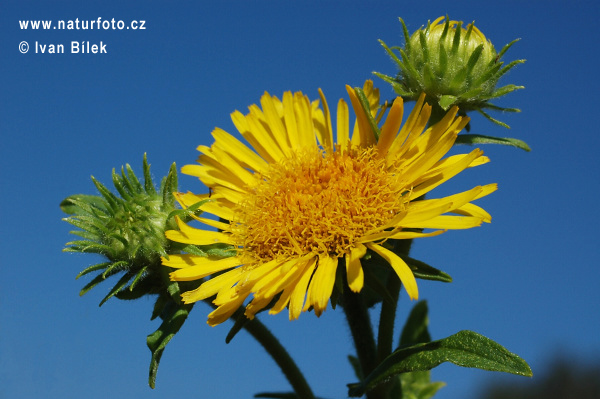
(300, 204)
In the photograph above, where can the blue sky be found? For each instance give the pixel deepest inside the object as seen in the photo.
(528, 280)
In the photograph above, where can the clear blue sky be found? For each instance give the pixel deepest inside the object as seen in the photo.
(529, 280)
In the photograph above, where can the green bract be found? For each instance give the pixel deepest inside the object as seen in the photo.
(453, 65)
(129, 231)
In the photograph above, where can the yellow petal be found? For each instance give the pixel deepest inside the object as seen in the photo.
(255, 306)
(302, 110)
(446, 222)
(343, 127)
(365, 136)
(411, 128)
(225, 311)
(242, 125)
(202, 269)
(398, 235)
(238, 150)
(391, 126)
(400, 267)
(190, 235)
(212, 176)
(212, 286)
(326, 135)
(299, 293)
(322, 283)
(219, 207)
(276, 125)
(354, 270)
(258, 131)
(445, 174)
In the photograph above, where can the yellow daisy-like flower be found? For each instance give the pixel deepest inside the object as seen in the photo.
(300, 203)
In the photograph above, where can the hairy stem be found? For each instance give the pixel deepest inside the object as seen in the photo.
(283, 359)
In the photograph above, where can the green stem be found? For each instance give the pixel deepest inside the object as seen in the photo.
(285, 362)
(387, 318)
(388, 308)
(359, 322)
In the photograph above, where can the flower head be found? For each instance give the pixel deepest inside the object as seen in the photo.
(453, 65)
(299, 204)
(128, 230)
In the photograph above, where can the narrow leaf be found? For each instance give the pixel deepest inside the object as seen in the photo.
(240, 322)
(74, 204)
(425, 272)
(355, 363)
(158, 340)
(93, 268)
(364, 102)
(415, 330)
(148, 184)
(480, 139)
(121, 284)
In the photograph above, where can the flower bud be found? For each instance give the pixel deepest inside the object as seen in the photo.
(453, 66)
(128, 230)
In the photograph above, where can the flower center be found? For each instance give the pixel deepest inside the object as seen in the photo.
(316, 202)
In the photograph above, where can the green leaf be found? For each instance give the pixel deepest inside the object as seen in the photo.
(158, 340)
(415, 330)
(148, 184)
(109, 197)
(465, 349)
(355, 363)
(364, 102)
(93, 268)
(72, 205)
(169, 185)
(159, 305)
(121, 284)
(144, 287)
(481, 139)
(474, 57)
(240, 322)
(418, 385)
(425, 272)
(504, 90)
(447, 101)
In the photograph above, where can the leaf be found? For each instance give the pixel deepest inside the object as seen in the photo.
(158, 340)
(70, 205)
(425, 272)
(148, 184)
(93, 268)
(122, 283)
(481, 139)
(415, 330)
(447, 101)
(355, 363)
(465, 349)
(364, 102)
(417, 385)
(240, 322)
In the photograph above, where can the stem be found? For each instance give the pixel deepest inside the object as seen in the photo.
(360, 327)
(387, 318)
(285, 362)
(388, 308)
(359, 322)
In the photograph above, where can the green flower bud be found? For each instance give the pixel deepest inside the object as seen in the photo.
(128, 230)
(453, 65)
